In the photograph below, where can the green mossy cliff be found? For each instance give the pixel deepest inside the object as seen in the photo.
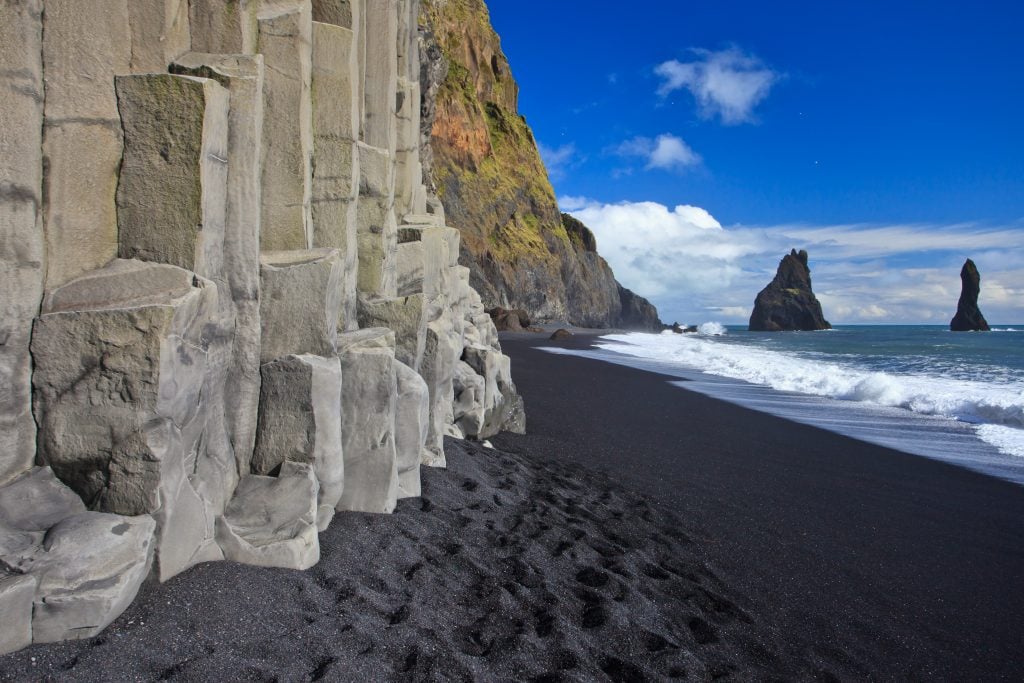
(485, 167)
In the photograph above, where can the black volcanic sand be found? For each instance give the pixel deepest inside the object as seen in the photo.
(872, 563)
(508, 568)
(639, 532)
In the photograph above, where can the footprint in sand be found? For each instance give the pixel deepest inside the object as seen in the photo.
(703, 632)
(621, 671)
(592, 577)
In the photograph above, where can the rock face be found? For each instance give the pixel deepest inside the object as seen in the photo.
(235, 311)
(968, 316)
(788, 303)
(637, 312)
(485, 166)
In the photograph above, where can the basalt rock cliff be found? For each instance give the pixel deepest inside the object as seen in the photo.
(231, 308)
(968, 316)
(788, 303)
(487, 171)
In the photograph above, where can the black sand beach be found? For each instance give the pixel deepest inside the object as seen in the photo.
(872, 563)
(638, 532)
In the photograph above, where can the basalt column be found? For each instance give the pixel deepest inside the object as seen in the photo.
(21, 227)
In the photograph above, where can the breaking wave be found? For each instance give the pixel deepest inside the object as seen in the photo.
(997, 408)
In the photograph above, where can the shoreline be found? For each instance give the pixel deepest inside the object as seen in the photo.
(934, 435)
(860, 553)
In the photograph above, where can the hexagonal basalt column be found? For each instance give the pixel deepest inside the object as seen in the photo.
(22, 244)
(368, 420)
(243, 76)
(172, 192)
(300, 421)
(335, 157)
(412, 412)
(123, 392)
(301, 302)
(271, 521)
(285, 41)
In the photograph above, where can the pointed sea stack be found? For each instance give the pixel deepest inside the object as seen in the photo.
(788, 303)
(968, 316)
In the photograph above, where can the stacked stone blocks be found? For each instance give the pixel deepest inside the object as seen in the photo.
(235, 310)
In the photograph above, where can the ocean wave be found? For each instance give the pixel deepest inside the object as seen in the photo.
(711, 329)
(966, 400)
(1007, 439)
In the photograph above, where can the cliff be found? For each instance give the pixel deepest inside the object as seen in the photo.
(487, 171)
(968, 316)
(788, 303)
(234, 311)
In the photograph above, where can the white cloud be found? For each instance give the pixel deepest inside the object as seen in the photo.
(558, 159)
(728, 83)
(665, 152)
(695, 270)
(570, 203)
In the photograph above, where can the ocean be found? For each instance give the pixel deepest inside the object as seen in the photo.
(957, 397)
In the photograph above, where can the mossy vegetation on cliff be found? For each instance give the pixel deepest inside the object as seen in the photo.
(489, 174)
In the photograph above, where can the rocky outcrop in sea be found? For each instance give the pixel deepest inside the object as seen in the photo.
(788, 303)
(485, 166)
(236, 310)
(968, 316)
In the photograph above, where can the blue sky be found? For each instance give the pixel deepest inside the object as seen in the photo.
(701, 141)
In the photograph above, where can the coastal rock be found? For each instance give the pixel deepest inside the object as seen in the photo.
(175, 152)
(412, 414)
(88, 570)
(36, 501)
(405, 317)
(637, 312)
(368, 402)
(301, 302)
(560, 334)
(272, 521)
(509, 320)
(788, 303)
(243, 76)
(470, 405)
(22, 241)
(125, 398)
(300, 421)
(522, 252)
(249, 161)
(968, 316)
(17, 592)
(285, 39)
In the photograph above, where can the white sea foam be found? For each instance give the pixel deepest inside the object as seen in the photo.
(970, 401)
(711, 329)
(1007, 439)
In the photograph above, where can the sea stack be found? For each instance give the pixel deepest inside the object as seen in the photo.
(788, 303)
(968, 316)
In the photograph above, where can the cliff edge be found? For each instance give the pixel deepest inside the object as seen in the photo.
(485, 167)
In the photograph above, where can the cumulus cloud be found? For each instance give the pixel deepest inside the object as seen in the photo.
(696, 270)
(558, 160)
(728, 83)
(665, 152)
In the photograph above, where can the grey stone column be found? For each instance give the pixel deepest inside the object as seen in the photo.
(22, 249)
